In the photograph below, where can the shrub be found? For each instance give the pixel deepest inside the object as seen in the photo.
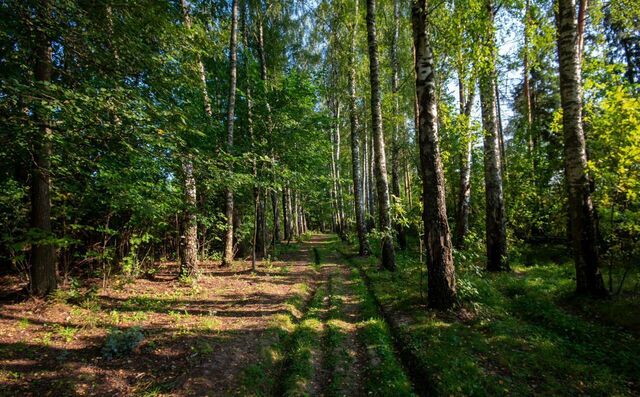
(121, 342)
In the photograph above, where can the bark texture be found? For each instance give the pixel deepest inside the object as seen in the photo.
(231, 109)
(358, 197)
(43, 267)
(440, 268)
(189, 236)
(189, 224)
(581, 212)
(382, 183)
(496, 239)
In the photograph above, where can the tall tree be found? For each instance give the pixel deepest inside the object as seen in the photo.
(43, 268)
(496, 236)
(382, 183)
(464, 194)
(231, 108)
(395, 137)
(189, 225)
(357, 174)
(581, 212)
(441, 272)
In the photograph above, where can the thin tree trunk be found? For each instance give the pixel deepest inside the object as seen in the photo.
(260, 232)
(395, 138)
(581, 212)
(231, 108)
(361, 227)
(294, 203)
(337, 182)
(496, 240)
(276, 217)
(527, 85)
(43, 267)
(262, 55)
(388, 253)
(440, 268)
(285, 216)
(464, 195)
(189, 237)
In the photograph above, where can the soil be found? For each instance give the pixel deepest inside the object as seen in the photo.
(197, 338)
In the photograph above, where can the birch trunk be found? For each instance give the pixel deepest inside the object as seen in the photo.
(388, 253)
(440, 268)
(361, 227)
(496, 240)
(581, 212)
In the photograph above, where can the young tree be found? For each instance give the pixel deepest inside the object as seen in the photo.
(395, 137)
(358, 196)
(581, 213)
(43, 268)
(382, 183)
(441, 272)
(189, 225)
(231, 107)
(496, 236)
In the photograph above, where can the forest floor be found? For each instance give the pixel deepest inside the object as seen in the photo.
(320, 321)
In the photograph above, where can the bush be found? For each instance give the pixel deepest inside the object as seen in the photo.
(120, 343)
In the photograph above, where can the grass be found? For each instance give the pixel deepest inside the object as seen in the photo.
(518, 333)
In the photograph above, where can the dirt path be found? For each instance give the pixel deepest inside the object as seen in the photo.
(341, 346)
(201, 339)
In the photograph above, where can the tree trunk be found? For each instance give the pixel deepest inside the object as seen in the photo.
(285, 215)
(440, 268)
(43, 267)
(496, 240)
(388, 254)
(395, 138)
(189, 233)
(261, 225)
(189, 237)
(276, 217)
(361, 227)
(231, 108)
(581, 213)
(464, 195)
(294, 204)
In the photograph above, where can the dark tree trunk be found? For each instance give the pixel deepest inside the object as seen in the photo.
(261, 225)
(285, 215)
(388, 253)
(581, 213)
(361, 227)
(276, 217)
(441, 271)
(496, 239)
(43, 267)
(231, 108)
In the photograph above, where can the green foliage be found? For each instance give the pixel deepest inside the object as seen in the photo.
(119, 342)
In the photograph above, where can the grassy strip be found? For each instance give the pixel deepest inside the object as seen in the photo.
(261, 378)
(298, 368)
(510, 336)
(385, 374)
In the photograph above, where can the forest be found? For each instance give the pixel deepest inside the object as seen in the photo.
(320, 198)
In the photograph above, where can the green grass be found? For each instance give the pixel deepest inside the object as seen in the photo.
(518, 333)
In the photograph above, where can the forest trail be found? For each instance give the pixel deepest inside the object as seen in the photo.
(340, 346)
(218, 336)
